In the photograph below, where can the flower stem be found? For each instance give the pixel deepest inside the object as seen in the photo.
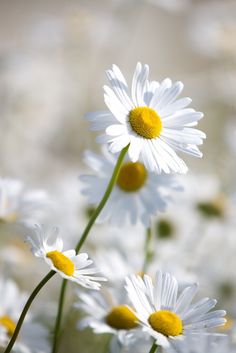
(147, 249)
(59, 316)
(26, 308)
(153, 348)
(84, 237)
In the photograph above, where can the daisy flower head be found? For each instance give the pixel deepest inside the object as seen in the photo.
(137, 195)
(107, 312)
(164, 314)
(33, 337)
(150, 119)
(71, 266)
(20, 205)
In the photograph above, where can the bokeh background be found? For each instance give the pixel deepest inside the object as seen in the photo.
(53, 57)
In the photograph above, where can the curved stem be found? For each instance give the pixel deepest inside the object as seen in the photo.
(153, 348)
(84, 237)
(26, 308)
(147, 249)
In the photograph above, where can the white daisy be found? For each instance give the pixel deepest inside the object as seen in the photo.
(33, 337)
(107, 312)
(150, 120)
(163, 314)
(68, 264)
(137, 195)
(201, 343)
(18, 204)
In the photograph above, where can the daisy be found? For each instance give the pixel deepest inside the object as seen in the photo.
(163, 314)
(18, 204)
(150, 120)
(107, 312)
(202, 343)
(137, 195)
(33, 337)
(68, 264)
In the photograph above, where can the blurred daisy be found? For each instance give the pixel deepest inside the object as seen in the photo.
(152, 121)
(19, 205)
(137, 195)
(107, 312)
(33, 337)
(116, 263)
(202, 343)
(68, 264)
(164, 315)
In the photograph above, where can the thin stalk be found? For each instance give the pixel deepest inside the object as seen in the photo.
(26, 308)
(59, 316)
(153, 348)
(84, 237)
(147, 249)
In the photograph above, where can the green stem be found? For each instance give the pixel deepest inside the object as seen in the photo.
(153, 348)
(59, 316)
(147, 249)
(84, 237)
(26, 308)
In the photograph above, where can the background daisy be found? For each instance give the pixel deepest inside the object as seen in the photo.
(137, 195)
(107, 311)
(33, 337)
(20, 205)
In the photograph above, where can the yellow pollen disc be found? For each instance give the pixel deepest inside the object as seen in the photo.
(166, 322)
(9, 325)
(121, 318)
(61, 262)
(10, 218)
(228, 325)
(132, 176)
(145, 122)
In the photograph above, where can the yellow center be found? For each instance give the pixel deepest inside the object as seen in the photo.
(121, 318)
(145, 122)
(166, 322)
(132, 176)
(8, 324)
(228, 325)
(214, 208)
(10, 218)
(61, 262)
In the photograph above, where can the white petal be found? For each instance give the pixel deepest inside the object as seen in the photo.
(116, 130)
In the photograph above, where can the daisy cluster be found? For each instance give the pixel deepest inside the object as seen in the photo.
(152, 233)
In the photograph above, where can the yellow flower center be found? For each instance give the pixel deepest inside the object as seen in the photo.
(8, 324)
(228, 325)
(61, 262)
(166, 322)
(121, 318)
(132, 176)
(145, 122)
(10, 218)
(214, 208)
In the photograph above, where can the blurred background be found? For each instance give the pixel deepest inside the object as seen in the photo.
(53, 57)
